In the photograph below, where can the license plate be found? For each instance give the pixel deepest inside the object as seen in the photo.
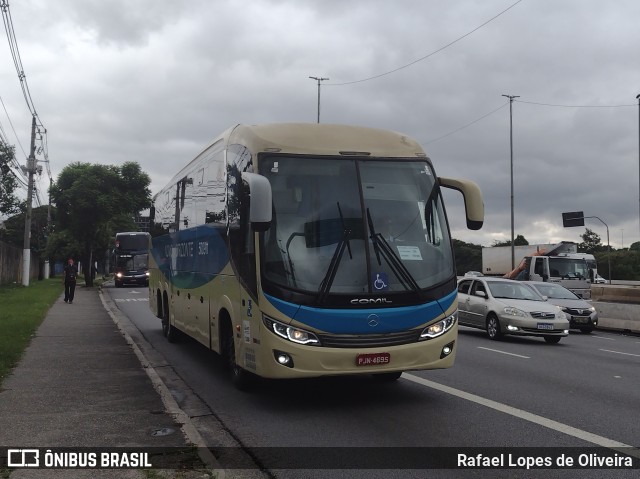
(580, 319)
(373, 359)
(545, 326)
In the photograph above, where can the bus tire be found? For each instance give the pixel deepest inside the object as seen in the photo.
(387, 377)
(169, 331)
(118, 284)
(240, 378)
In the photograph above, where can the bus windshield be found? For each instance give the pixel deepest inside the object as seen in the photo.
(355, 226)
(133, 262)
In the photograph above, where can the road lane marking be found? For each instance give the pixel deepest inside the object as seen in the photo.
(128, 300)
(504, 352)
(601, 337)
(618, 352)
(521, 414)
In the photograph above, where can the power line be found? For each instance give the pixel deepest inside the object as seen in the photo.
(12, 127)
(466, 126)
(575, 106)
(36, 124)
(15, 54)
(17, 61)
(430, 54)
(526, 102)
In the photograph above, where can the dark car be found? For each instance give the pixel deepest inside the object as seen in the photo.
(581, 315)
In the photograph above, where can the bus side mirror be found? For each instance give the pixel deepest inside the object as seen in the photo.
(259, 190)
(473, 204)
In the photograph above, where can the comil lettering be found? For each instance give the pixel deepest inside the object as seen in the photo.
(371, 301)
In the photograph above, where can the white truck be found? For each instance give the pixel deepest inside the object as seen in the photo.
(558, 263)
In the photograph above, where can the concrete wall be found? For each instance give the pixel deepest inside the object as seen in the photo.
(618, 316)
(615, 293)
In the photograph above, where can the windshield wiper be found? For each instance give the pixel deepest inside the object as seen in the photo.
(382, 248)
(429, 214)
(330, 275)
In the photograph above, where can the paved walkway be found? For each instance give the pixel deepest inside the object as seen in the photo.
(80, 384)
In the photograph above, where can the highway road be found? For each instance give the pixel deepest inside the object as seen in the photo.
(517, 393)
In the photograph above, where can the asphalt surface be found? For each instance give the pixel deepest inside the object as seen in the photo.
(91, 379)
(520, 392)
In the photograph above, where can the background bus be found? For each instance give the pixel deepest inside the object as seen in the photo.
(299, 250)
(131, 259)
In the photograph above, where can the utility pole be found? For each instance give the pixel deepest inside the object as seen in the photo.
(31, 169)
(513, 254)
(318, 79)
(638, 98)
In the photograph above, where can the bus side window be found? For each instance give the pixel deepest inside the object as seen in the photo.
(215, 191)
(241, 237)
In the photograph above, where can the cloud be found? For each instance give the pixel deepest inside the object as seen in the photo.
(154, 81)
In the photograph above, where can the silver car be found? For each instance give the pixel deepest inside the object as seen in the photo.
(503, 306)
(581, 315)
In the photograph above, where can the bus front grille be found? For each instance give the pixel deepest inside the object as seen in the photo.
(369, 340)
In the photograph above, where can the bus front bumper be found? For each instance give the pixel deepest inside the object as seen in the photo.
(279, 358)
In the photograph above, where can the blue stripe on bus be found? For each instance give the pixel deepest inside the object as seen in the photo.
(201, 253)
(356, 321)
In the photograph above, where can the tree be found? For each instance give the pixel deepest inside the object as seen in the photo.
(91, 199)
(517, 241)
(468, 256)
(9, 202)
(590, 243)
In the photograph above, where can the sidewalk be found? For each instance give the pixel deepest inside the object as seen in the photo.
(80, 384)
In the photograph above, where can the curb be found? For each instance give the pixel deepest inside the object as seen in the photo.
(188, 428)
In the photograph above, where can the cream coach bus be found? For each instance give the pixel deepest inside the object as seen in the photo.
(298, 250)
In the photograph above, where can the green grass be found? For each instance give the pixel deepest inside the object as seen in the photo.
(22, 309)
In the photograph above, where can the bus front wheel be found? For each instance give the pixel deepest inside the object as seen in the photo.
(240, 378)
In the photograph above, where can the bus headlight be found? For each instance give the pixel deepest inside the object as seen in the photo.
(295, 335)
(439, 328)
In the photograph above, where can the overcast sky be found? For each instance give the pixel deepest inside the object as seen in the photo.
(154, 80)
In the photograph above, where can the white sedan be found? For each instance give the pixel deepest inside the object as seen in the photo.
(503, 306)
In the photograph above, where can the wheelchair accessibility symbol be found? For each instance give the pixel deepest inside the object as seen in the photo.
(381, 281)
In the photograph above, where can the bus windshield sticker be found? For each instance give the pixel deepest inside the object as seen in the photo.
(409, 253)
(380, 281)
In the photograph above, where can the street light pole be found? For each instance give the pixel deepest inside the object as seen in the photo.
(318, 79)
(608, 244)
(513, 254)
(638, 98)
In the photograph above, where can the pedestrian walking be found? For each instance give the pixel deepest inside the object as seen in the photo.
(69, 278)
